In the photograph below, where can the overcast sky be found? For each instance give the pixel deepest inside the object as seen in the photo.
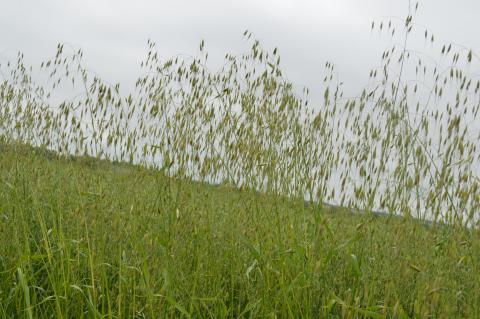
(113, 33)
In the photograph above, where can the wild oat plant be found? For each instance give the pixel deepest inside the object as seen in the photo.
(407, 145)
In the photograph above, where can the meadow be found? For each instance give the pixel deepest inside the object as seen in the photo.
(228, 194)
(83, 238)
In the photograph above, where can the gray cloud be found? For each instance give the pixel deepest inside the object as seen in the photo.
(113, 33)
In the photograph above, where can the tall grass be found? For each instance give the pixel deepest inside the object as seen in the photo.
(82, 238)
(85, 238)
(402, 146)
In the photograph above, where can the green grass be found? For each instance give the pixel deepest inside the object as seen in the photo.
(82, 238)
(88, 238)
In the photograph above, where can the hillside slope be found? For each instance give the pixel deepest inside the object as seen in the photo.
(87, 238)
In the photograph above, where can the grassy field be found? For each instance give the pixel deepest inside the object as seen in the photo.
(87, 238)
(82, 238)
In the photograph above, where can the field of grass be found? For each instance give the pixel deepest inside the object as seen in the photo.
(83, 238)
(186, 197)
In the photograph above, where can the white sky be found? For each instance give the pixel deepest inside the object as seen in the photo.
(113, 33)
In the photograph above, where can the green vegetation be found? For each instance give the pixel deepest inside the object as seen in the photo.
(85, 238)
(108, 206)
